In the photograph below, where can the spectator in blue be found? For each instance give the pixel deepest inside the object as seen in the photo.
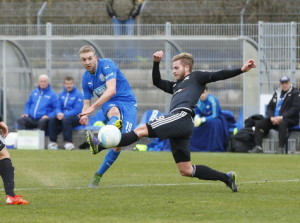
(115, 96)
(70, 103)
(211, 128)
(40, 106)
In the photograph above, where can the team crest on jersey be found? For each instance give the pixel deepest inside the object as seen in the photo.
(101, 77)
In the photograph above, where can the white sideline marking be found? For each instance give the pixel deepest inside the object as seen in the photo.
(154, 185)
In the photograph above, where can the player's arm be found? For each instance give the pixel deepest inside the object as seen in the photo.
(107, 95)
(86, 104)
(164, 85)
(3, 128)
(84, 120)
(111, 89)
(207, 77)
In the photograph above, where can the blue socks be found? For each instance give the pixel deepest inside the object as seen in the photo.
(111, 156)
(112, 120)
(109, 159)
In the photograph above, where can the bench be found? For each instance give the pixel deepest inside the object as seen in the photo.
(270, 142)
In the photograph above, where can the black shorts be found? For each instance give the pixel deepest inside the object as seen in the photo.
(2, 145)
(178, 128)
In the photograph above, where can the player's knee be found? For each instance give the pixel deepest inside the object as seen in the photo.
(114, 111)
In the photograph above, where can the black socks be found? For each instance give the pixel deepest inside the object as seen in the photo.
(205, 173)
(7, 174)
(128, 138)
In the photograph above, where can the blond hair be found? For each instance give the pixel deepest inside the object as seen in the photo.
(86, 49)
(185, 59)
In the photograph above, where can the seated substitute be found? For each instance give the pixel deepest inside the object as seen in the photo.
(39, 107)
(70, 103)
(211, 128)
(282, 113)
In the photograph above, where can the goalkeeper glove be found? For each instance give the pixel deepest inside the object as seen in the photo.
(199, 120)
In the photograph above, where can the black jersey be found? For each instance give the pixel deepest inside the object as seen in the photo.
(187, 92)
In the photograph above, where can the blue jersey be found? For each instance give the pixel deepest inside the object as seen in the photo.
(69, 103)
(96, 83)
(41, 102)
(209, 108)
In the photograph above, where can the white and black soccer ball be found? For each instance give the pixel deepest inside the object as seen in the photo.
(109, 136)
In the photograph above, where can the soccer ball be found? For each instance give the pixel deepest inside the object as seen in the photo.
(109, 136)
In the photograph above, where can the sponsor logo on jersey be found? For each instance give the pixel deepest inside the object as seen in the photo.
(111, 74)
(106, 67)
(179, 90)
(101, 77)
(100, 90)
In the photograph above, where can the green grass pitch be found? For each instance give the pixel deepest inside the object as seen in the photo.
(146, 187)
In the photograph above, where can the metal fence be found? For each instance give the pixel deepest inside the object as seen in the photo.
(250, 30)
(275, 46)
(57, 56)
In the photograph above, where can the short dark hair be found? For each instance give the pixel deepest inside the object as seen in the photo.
(69, 78)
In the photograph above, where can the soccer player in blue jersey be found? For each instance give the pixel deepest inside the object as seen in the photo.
(104, 79)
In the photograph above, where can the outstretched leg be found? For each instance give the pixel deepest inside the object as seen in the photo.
(181, 154)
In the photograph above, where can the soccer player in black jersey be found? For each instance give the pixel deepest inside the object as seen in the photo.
(7, 170)
(177, 126)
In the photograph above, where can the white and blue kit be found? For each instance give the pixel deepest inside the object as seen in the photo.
(124, 99)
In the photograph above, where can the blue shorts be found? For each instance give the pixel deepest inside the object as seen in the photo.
(128, 113)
